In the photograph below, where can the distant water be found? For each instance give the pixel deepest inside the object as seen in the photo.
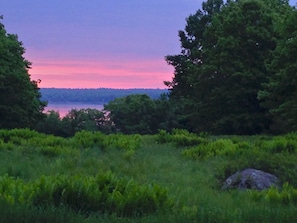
(63, 109)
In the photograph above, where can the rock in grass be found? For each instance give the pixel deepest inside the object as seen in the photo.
(251, 179)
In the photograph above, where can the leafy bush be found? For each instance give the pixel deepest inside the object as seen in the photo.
(31, 137)
(279, 144)
(163, 136)
(24, 134)
(123, 142)
(85, 139)
(31, 142)
(219, 147)
(104, 193)
(48, 140)
(13, 190)
(180, 137)
(286, 195)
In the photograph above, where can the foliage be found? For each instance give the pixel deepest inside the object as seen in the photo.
(274, 155)
(50, 145)
(180, 137)
(23, 134)
(223, 65)
(87, 139)
(20, 103)
(220, 147)
(93, 177)
(30, 142)
(279, 144)
(75, 120)
(279, 94)
(287, 195)
(51, 124)
(30, 137)
(104, 193)
(133, 114)
(85, 119)
(165, 113)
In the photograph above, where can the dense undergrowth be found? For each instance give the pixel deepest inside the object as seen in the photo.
(167, 177)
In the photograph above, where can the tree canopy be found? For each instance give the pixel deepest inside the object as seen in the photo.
(279, 95)
(133, 114)
(225, 60)
(20, 104)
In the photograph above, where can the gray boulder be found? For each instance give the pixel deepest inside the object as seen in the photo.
(251, 179)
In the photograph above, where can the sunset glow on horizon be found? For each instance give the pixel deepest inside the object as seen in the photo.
(99, 43)
(94, 74)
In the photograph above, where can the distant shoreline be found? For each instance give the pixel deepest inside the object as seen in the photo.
(93, 95)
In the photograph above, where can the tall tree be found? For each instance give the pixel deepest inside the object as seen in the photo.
(20, 104)
(221, 67)
(136, 113)
(188, 85)
(280, 93)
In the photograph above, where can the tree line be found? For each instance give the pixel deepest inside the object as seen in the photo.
(237, 70)
(236, 74)
(133, 114)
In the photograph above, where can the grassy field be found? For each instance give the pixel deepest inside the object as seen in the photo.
(168, 177)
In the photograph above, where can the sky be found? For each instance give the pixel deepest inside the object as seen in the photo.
(99, 43)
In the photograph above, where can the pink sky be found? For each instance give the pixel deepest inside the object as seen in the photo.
(94, 74)
(99, 43)
(93, 44)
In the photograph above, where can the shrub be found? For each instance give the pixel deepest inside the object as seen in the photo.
(85, 139)
(279, 144)
(219, 147)
(286, 195)
(180, 137)
(13, 190)
(48, 140)
(24, 134)
(122, 142)
(163, 136)
(22, 137)
(104, 193)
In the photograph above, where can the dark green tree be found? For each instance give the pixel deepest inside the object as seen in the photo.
(52, 124)
(132, 114)
(184, 91)
(85, 119)
(20, 104)
(165, 114)
(221, 67)
(280, 93)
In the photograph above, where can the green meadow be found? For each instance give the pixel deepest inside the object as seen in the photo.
(166, 177)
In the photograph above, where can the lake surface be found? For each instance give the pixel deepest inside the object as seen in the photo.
(63, 109)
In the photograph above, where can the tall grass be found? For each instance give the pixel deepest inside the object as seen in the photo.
(188, 170)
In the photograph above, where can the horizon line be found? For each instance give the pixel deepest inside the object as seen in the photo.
(104, 88)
